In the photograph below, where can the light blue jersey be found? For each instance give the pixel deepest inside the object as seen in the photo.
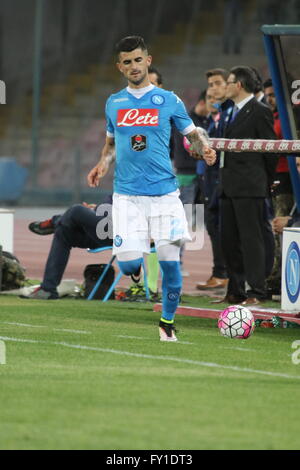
(142, 128)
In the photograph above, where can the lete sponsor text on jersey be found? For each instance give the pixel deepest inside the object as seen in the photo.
(137, 117)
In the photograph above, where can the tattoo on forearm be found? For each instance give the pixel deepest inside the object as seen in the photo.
(111, 157)
(193, 137)
(109, 154)
(197, 144)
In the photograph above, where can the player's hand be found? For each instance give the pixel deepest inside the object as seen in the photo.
(279, 223)
(96, 174)
(209, 155)
(199, 148)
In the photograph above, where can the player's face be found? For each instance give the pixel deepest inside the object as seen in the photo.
(134, 66)
(210, 101)
(217, 87)
(270, 98)
(233, 88)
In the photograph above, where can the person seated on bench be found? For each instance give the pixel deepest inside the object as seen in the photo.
(77, 227)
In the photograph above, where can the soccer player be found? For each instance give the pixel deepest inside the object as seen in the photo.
(146, 202)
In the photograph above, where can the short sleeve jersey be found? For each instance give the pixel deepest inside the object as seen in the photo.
(141, 128)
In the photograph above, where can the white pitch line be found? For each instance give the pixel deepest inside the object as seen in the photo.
(140, 337)
(65, 330)
(130, 337)
(151, 356)
(72, 331)
(22, 324)
(238, 349)
(20, 340)
(183, 342)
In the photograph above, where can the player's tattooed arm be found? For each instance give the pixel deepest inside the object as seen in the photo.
(107, 157)
(109, 150)
(200, 146)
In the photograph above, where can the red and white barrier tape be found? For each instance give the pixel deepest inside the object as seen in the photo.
(259, 146)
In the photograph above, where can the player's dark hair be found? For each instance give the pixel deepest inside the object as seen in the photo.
(258, 80)
(268, 83)
(245, 76)
(224, 73)
(130, 43)
(157, 73)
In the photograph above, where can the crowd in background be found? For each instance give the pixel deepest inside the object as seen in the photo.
(248, 198)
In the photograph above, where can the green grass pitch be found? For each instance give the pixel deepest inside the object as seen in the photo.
(92, 375)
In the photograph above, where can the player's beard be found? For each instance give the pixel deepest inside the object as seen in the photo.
(139, 80)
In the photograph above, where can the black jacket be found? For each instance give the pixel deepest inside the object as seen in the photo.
(183, 162)
(249, 174)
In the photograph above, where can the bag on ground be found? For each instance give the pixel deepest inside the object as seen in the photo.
(13, 274)
(91, 274)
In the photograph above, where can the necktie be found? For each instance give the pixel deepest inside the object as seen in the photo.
(232, 117)
(234, 113)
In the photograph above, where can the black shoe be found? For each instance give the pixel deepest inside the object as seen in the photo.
(273, 289)
(155, 296)
(44, 227)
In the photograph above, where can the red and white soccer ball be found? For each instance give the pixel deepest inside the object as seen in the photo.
(236, 322)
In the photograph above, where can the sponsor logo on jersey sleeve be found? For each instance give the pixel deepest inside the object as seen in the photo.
(137, 117)
(178, 100)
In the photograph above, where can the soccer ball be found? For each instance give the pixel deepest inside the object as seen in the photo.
(236, 322)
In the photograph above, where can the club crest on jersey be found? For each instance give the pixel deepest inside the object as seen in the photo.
(118, 241)
(138, 142)
(137, 117)
(158, 99)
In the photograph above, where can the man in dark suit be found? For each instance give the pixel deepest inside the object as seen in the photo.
(245, 179)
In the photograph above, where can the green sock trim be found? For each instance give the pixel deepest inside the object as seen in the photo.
(169, 322)
(153, 271)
